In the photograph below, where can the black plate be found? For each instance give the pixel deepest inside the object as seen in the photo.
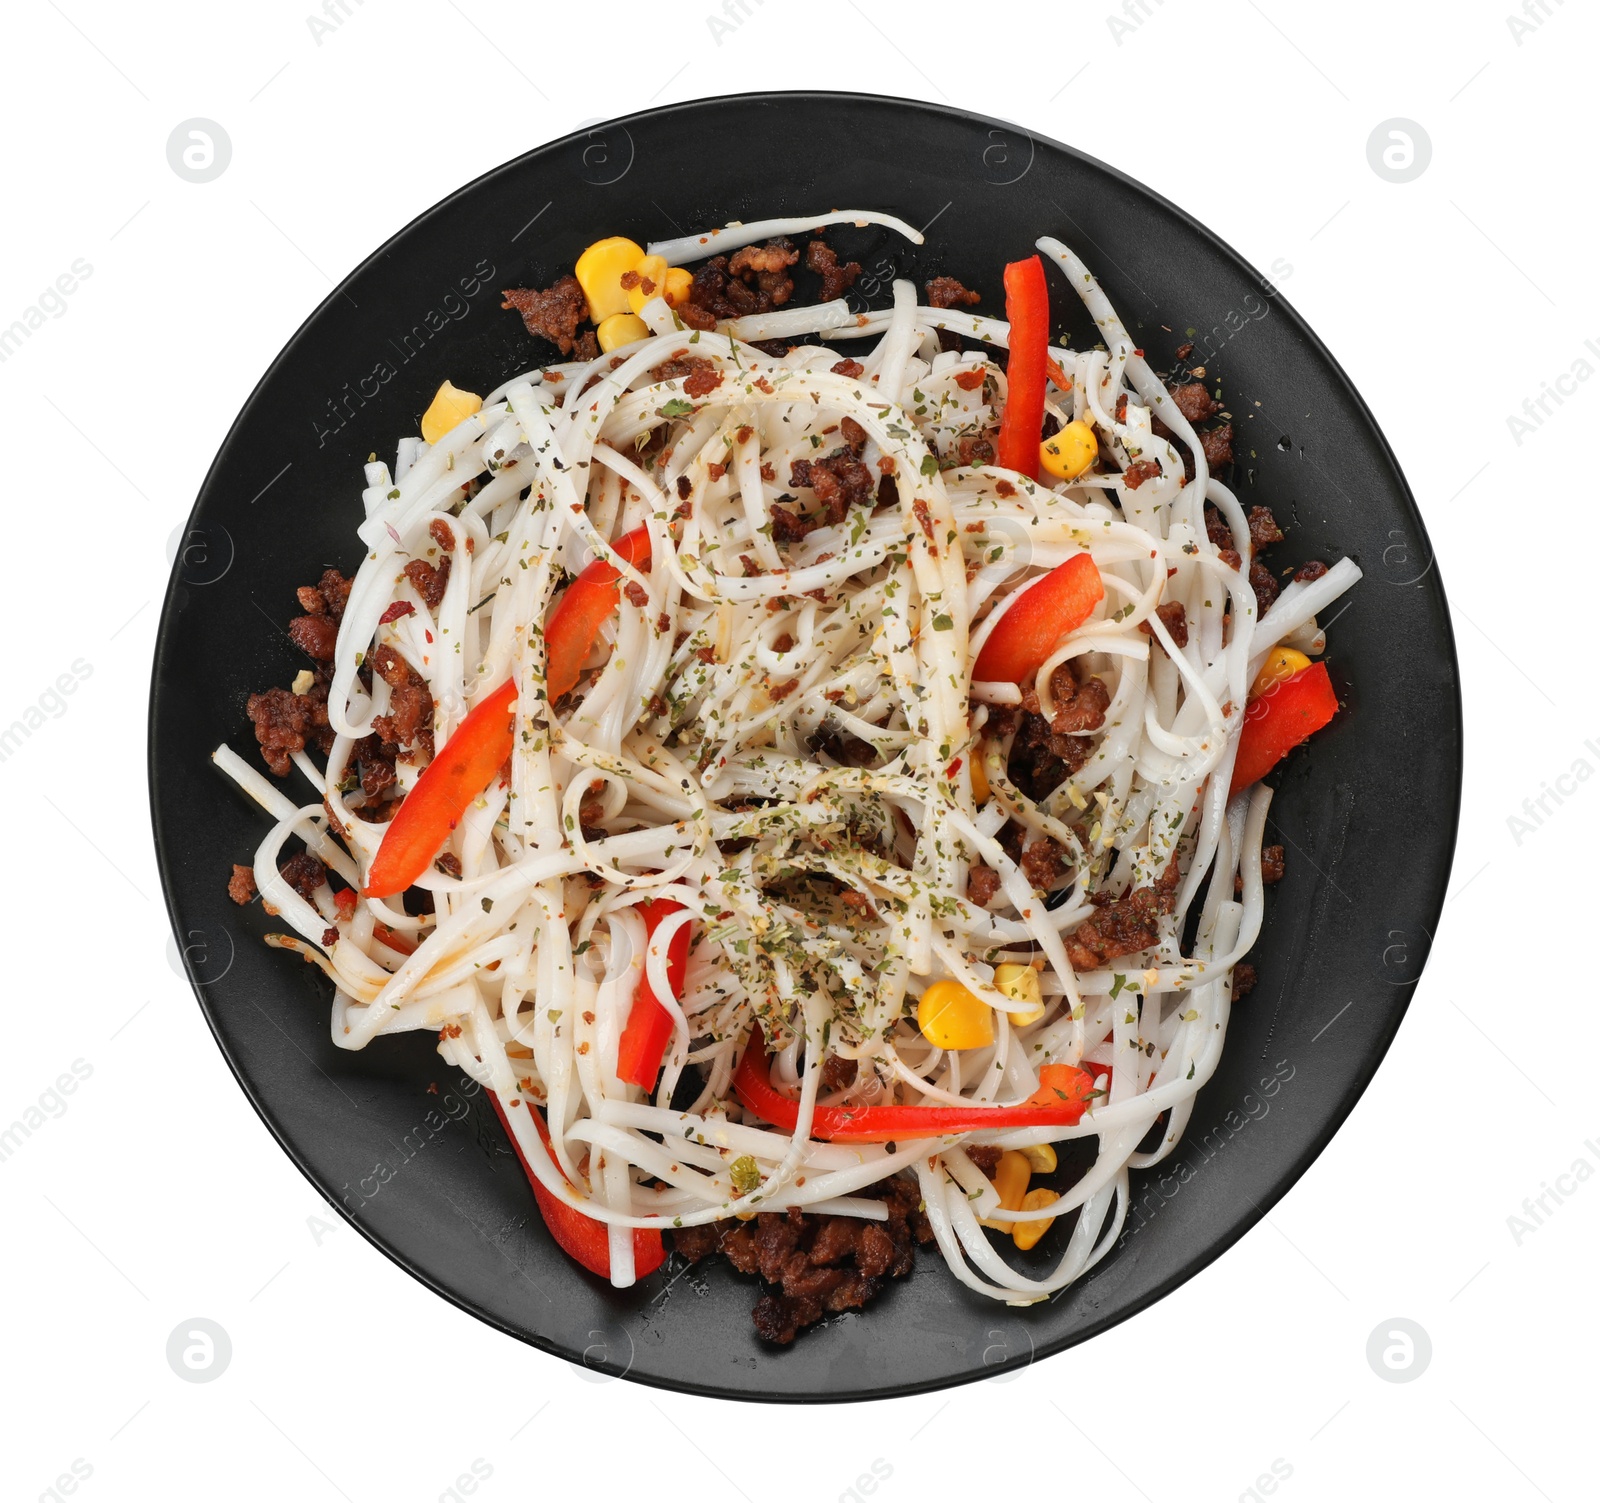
(1369, 815)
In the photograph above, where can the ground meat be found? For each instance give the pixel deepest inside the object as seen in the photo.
(1042, 758)
(1174, 619)
(586, 346)
(1140, 471)
(1078, 707)
(850, 368)
(242, 885)
(767, 268)
(374, 763)
(429, 581)
(281, 720)
(946, 292)
(819, 1264)
(845, 749)
(681, 363)
(836, 279)
(1244, 979)
(1265, 586)
(789, 526)
(1217, 528)
(553, 314)
(839, 479)
(755, 280)
(985, 1156)
(1217, 445)
(329, 594)
(448, 863)
(304, 873)
(975, 448)
(410, 718)
(1123, 925)
(638, 596)
(837, 1071)
(983, 882)
(439, 531)
(1043, 863)
(1271, 864)
(853, 434)
(1194, 401)
(315, 636)
(1306, 573)
(1264, 529)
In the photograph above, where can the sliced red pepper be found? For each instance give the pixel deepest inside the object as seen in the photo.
(649, 1027)
(394, 939)
(580, 1237)
(457, 775)
(1279, 720)
(1060, 1101)
(1028, 312)
(1045, 612)
(574, 625)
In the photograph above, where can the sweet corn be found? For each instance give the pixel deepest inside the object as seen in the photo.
(620, 329)
(1011, 1176)
(677, 286)
(1027, 1233)
(1041, 1158)
(980, 778)
(652, 282)
(599, 272)
(950, 1017)
(1021, 984)
(1067, 454)
(1281, 663)
(450, 405)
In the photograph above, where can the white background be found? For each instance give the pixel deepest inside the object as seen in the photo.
(156, 1196)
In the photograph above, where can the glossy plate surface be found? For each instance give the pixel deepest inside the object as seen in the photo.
(1368, 816)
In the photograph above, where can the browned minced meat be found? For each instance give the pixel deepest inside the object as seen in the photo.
(1079, 707)
(853, 434)
(1043, 863)
(1265, 586)
(1217, 445)
(284, 722)
(1194, 401)
(789, 526)
(374, 764)
(439, 531)
(586, 346)
(844, 748)
(429, 581)
(553, 314)
(1123, 925)
(448, 863)
(837, 1071)
(304, 873)
(850, 368)
(755, 280)
(1244, 979)
(839, 479)
(985, 1156)
(820, 1264)
(681, 363)
(1311, 571)
(947, 292)
(1140, 471)
(976, 448)
(1264, 529)
(410, 718)
(315, 636)
(1271, 864)
(242, 885)
(638, 596)
(836, 279)
(1041, 757)
(328, 594)
(768, 266)
(1217, 528)
(1174, 619)
(983, 882)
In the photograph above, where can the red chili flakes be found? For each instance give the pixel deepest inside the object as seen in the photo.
(970, 380)
(396, 611)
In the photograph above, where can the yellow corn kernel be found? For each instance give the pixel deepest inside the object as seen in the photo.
(1281, 663)
(677, 286)
(599, 272)
(620, 329)
(1021, 984)
(950, 1017)
(980, 778)
(652, 282)
(1041, 1158)
(1067, 454)
(450, 405)
(1027, 1233)
(1011, 1177)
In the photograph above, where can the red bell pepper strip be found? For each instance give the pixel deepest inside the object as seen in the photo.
(459, 772)
(1059, 1102)
(1045, 612)
(574, 625)
(580, 1237)
(649, 1027)
(1028, 312)
(1279, 720)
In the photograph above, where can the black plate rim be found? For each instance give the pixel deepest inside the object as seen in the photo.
(1445, 831)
